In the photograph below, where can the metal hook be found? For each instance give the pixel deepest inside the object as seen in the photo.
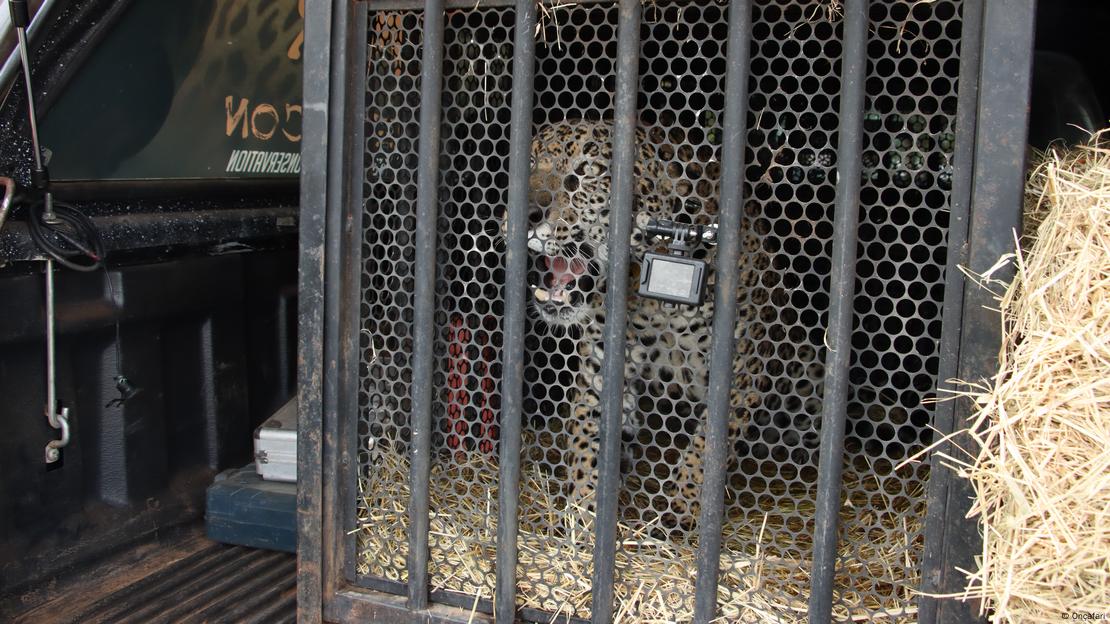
(53, 447)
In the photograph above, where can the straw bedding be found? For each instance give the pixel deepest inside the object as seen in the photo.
(655, 575)
(1042, 474)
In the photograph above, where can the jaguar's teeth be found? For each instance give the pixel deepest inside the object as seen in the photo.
(541, 294)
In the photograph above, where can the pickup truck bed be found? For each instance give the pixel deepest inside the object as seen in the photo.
(180, 577)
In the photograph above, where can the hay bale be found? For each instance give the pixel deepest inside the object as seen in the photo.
(1042, 474)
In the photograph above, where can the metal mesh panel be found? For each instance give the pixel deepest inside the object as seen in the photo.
(790, 187)
(575, 76)
(682, 61)
(385, 373)
(783, 301)
(477, 82)
(913, 53)
(912, 71)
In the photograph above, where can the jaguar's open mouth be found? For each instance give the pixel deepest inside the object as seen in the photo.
(561, 288)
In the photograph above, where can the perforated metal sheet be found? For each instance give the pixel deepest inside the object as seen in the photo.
(913, 70)
(789, 191)
(790, 188)
(575, 65)
(477, 83)
(385, 374)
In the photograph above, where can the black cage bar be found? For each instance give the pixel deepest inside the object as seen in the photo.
(494, 422)
(516, 268)
(427, 198)
(723, 347)
(834, 410)
(616, 311)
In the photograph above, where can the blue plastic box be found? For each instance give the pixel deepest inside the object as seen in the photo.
(244, 509)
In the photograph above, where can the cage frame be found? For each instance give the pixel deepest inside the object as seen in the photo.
(995, 72)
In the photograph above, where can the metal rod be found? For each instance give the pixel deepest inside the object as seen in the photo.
(723, 345)
(516, 270)
(427, 199)
(341, 290)
(616, 310)
(57, 419)
(7, 72)
(21, 34)
(959, 207)
(352, 73)
(51, 398)
(841, 293)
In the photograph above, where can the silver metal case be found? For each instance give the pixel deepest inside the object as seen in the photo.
(275, 445)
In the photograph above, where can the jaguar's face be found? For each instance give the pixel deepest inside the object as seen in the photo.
(569, 220)
(569, 216)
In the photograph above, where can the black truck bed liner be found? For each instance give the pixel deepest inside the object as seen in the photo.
(185, 579)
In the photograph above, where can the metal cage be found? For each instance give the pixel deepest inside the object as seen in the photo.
(493, 423)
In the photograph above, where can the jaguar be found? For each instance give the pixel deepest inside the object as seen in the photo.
(667, 346)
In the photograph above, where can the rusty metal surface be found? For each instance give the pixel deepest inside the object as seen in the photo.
(367, 606)
(310, 334)
(996, 210)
